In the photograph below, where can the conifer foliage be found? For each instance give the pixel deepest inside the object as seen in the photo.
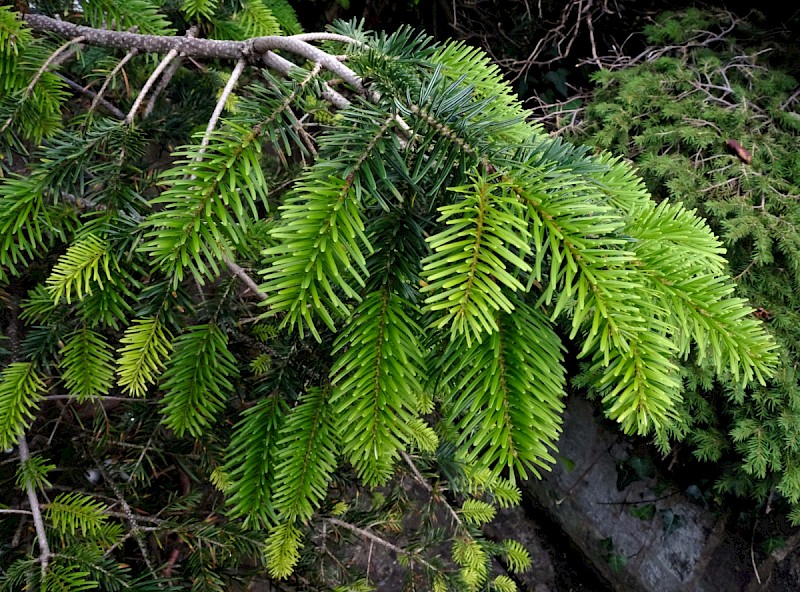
(710, 123)
(295, 277)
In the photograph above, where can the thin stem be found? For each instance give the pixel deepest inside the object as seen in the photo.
(150, 81)
(162, 85)
(328, 37)
(136, 530)
(415, 471)
(167, 77)
(223, 99)
(49, 61)
(98, 97)
(139, 517)
(383, 542)
(419, 478)
(36, 510)
(246, 279)
(98, 399)
(13, 511)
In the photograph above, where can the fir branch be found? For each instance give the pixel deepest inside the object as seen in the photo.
(197, 380)
(145, 346)
(42, 69)
(375, 380)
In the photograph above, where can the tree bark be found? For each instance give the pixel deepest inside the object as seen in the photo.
(251, 49)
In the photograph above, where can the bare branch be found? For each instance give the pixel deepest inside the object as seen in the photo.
(98, 97)
(209, 48)
(275, 62)
(167, 77)
(226, 92)
(150, 81)
(246, 279)
(381, 541)
(36, 510)
(14, 511)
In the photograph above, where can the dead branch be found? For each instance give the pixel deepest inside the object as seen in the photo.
(36, 509)
(381, 541)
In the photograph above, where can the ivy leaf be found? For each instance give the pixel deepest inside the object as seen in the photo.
(671, 521)
(643, 512)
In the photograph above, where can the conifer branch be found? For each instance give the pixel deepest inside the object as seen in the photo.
(40, 72)
(36, 509)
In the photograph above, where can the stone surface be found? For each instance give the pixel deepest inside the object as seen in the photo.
(677, 546)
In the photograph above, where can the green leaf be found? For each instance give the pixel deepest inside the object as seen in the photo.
(306, 457)
(199, 8)
(504, 394)
(470, 555)
(503, 584)
(32, 473)
(643, 511)
(517, 556)
(476, 511)
(481, 250)
(671, 521)
(283, 549)
(617, 562)
(250, 461)
(212, 199)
